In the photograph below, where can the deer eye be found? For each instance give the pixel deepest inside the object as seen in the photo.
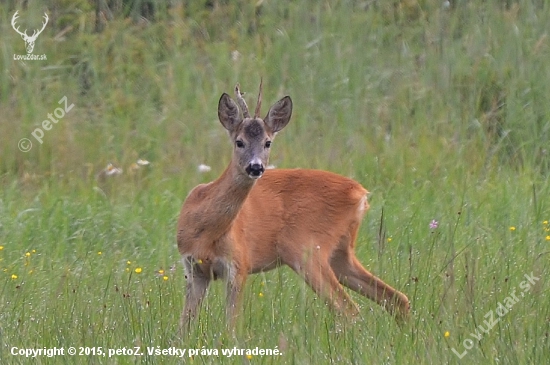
(239, 144)
(267, 144)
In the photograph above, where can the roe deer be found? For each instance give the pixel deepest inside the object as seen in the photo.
(251, 220)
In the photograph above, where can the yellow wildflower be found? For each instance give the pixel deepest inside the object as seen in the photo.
(27, 254)
(447, 334)
(99, 252)
(138, 270)
(13, 276)
(512, 228)
(165, 278)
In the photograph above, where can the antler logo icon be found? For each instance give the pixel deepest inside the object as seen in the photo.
(29, 40)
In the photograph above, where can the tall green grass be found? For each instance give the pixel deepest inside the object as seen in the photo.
(440, 112)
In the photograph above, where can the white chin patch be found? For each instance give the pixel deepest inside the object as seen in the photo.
(255, 177)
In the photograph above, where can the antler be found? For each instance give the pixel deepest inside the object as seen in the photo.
(241, 102)
(35, 34)
(13, 20)
(259, 104)
(24, 34)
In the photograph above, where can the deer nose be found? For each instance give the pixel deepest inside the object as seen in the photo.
(255, 170)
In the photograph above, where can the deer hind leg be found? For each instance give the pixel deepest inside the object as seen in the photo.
(318, 274)
(352, 274)
(197, 284)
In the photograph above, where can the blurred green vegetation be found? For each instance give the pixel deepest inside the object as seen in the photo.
(439, 109)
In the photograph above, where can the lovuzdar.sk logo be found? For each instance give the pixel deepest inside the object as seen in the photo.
(29, 40)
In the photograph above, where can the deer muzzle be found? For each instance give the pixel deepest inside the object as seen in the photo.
(255, 170)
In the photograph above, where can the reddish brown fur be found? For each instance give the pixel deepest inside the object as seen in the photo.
(306, 219)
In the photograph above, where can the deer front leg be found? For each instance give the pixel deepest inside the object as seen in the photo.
(235, 285)
(197, 283)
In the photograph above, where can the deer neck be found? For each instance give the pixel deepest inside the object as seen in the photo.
(232, 189)
(226, 197)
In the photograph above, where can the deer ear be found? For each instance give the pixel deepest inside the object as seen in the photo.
(279, 114)
(228, 113)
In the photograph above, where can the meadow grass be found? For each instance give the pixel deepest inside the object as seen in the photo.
(440, 112)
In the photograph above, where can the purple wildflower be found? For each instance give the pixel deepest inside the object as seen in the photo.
(434, 224)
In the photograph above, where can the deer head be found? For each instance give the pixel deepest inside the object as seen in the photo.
(252, 136)
(29, 40)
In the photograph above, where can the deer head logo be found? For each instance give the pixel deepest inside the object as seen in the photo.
(29, 40)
